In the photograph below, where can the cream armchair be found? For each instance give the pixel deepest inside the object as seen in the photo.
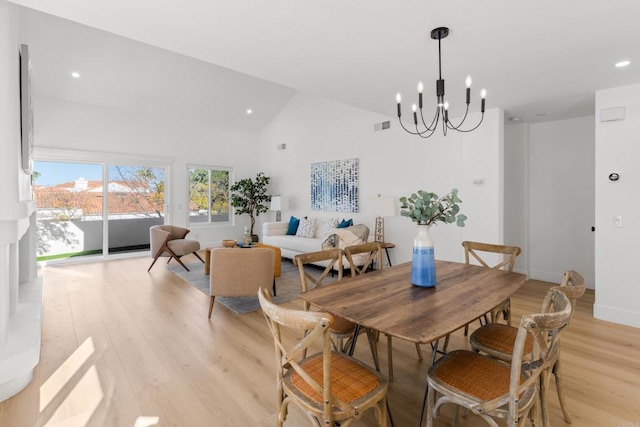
(169, 241)
(237, 272)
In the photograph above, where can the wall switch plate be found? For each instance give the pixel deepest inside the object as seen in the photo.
(478, 181)
(617, 221)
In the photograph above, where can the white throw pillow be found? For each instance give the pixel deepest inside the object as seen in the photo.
(330, 225)
(307, 228)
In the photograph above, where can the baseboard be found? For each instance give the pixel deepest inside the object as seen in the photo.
(616, 315)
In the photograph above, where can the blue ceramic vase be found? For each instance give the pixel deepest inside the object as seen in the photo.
(423, 265)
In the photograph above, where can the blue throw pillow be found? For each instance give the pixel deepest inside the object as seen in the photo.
(293, 226)
(345, 223)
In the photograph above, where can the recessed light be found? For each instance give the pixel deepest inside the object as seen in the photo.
(249, 111)
(75, 75)
(622, 64)
(514, 119)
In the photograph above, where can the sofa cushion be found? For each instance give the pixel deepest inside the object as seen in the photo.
(330, 225)
(293, 226)
(307, 228)
(345, 223)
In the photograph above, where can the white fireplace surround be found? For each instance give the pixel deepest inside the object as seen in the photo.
(20, 299)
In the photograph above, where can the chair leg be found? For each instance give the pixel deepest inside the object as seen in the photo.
(154, 261)
(211, 305)
(563, 403)
(390, 355)
(182, 264)
(274, 286)
(544, 377)
(198, 256)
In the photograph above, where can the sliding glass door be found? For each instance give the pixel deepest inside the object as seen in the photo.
(74, 198)
(135, 203)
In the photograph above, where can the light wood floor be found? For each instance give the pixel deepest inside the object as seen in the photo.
(123, 347)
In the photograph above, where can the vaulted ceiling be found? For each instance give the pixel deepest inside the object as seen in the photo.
(539, 60)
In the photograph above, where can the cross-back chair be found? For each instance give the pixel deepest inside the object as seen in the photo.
(497, 340)
(342, 330)
(363, 257)
(479, 252)
(328, 386)
(371, 253)
(493, 388)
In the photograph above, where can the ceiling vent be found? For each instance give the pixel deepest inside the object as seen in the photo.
(381, 126)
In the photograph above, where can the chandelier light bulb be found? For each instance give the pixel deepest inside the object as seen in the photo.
(420, 87)
(398, 98)
(467, 81)
(414, 108)
(446, 105)
(483, 93)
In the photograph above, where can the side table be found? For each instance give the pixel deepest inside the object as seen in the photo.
(386, 246)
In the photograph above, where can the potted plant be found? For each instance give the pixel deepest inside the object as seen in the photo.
(425, 209)
(249, 196)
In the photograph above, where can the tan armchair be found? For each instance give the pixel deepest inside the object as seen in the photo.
(169, 241)
(237, 272)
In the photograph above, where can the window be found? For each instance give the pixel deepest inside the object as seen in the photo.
(208, 195)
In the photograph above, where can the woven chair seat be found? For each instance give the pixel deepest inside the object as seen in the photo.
(478, 377)
(499, 337)
(341, 325)
(350, 380)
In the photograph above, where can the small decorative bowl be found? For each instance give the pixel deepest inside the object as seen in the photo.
(228, 243)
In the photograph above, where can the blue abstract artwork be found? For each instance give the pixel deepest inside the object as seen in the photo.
(334, 186)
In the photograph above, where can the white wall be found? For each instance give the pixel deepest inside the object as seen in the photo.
(392, 163)
(617, 150)
(561, 199)
(516, 191)
(20, 290)
(72, 126)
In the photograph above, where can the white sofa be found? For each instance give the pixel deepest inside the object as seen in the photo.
(275, 234)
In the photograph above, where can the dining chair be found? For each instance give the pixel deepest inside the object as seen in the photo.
(342, 330)
(481, 252)
(327, 386)
(489, 387)
(370, 254)
(497, 340)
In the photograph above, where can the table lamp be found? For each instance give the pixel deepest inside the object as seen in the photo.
(382, 206)
(278, 204)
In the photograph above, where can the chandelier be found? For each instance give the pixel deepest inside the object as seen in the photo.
(425, 130)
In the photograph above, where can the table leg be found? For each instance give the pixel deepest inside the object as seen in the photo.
(388, 257)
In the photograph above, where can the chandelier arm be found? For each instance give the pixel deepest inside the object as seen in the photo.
(433, 122)
(473, 128)
(407, 130)
(431, 131)
(452, 126)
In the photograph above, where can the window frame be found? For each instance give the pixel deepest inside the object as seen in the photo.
(209, 168)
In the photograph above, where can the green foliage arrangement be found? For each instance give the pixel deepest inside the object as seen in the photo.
(248, 196)
(427, 208)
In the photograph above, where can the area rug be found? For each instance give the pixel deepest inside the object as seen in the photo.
(287, 286)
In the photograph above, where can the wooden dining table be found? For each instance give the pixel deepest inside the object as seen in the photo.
(386, 301)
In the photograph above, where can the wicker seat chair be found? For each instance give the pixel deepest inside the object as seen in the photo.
(493, 388)
(342, 330)
(328, 386)
(169, 241)
(497, 340)
(373, 256)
